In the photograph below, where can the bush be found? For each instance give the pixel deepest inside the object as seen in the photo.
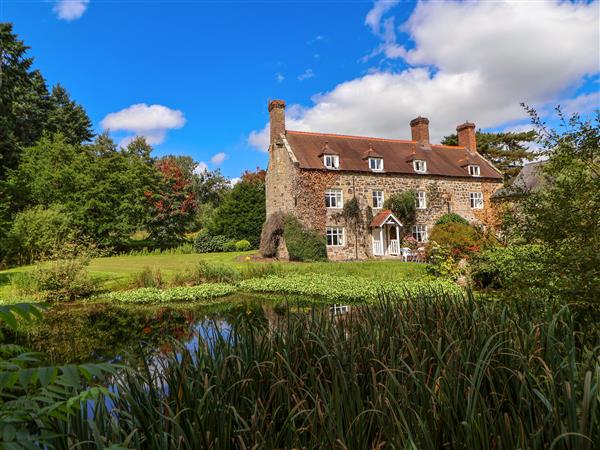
(272, 231)
(229, 246)
(460, 239)
(441, 263)
(243, 245)
(452, 218)
(64, 279)
(302, 244)
(148, 277)
(206, 242)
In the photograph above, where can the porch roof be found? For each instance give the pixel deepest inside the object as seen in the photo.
(382, 218)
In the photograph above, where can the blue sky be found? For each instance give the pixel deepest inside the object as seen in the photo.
(349, 67)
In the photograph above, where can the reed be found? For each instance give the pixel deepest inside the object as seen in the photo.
(421, 370)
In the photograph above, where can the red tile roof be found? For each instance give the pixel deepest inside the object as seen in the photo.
(397, 154)
(381, 218)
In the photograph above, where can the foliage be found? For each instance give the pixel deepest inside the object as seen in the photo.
(36, 232)
(272, 231)
(243, 245)
(403, 206)
(303, 244)
(440, 261)
(63, 279)
(147, 278)
(177, 294)
(68, 118)
(242, 211)
(564, 215)
(508, 151)
(459, 239)
(206, 242)
(425, 371)
(452, 218)
(172, 203)
(346, 289)
(229, 246)
(216, 273)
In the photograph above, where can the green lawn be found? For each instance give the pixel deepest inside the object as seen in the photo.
(115, 271)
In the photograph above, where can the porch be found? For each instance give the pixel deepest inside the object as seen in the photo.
(385, 235)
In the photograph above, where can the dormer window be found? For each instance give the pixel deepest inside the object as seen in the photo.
(420, 165)
(331, 161)
(376, 164)
(474, 170)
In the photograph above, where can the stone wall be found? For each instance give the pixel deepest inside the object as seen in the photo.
(280, 180)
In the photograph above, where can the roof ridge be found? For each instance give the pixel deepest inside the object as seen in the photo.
(351, 136)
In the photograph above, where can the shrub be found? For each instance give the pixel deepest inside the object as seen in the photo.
(461, 240)
(441, 262)
(243, 245)
(148, 277)
(64, 279)
(206, 242)
(272, 231)
(229, 246)
(452, 218)
(302, 244)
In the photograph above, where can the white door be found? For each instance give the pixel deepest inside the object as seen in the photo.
(377, 234)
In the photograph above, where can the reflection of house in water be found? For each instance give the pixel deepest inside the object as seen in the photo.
(338, 310)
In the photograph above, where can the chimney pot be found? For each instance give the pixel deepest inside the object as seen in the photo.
(276, 119)
(466, 136)
(419, 128)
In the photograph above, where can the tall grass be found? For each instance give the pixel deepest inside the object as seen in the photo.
(434, 371)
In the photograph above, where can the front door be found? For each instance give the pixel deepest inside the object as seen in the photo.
(378, 239)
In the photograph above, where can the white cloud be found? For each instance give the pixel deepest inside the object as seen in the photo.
(308, 73)
(470, 61)
(380, 7)
(200, 168)
(279, 77)
(70, 9)
(150, 121)
(234, 181)
(218, 158)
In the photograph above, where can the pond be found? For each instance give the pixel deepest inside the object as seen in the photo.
(84, 332)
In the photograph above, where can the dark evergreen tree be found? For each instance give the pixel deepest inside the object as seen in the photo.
(507, 151)
(68, 117)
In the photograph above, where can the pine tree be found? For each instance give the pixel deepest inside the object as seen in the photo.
(507, 151)
(68, 117)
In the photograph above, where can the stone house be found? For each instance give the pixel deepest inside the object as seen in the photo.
(311, 175)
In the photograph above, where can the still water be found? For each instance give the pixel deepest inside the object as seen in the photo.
(93, 332)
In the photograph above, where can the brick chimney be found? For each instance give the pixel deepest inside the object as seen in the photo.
(276, 119)
(419, 128)
(466, 136)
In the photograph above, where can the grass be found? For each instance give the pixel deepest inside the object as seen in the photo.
(436, 371)
(116, 272)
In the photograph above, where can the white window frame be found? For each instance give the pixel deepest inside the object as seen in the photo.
(331, 161)
(422, 163)
(421, 200)
(476, 200)
(474, 170)
(420, 233)
(335, 232)
(377, 195)
(336, 198)
(376, 164)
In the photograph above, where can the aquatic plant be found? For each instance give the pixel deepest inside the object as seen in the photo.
(177, 294)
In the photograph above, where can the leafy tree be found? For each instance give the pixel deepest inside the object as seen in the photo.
(403, 206)
(508, 151)
(172, 203)
(210, 186)
(564, 215)
(242, 211)
(68, 118)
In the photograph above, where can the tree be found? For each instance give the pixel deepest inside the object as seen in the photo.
(403, 206)
(508, 151)
(242, 211)
(564, 215)
(172, 202)
(67, 117)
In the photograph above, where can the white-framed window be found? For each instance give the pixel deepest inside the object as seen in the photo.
(377, 199)
(474, 170)
(376, 164)
(333, 198)
(421, 200)
(420, 233)
(420, 165)
(335, 236)
(476, 200)
(331, 161)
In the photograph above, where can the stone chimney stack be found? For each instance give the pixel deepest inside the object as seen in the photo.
(276, 119)
(466, 136)
(419, 128)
